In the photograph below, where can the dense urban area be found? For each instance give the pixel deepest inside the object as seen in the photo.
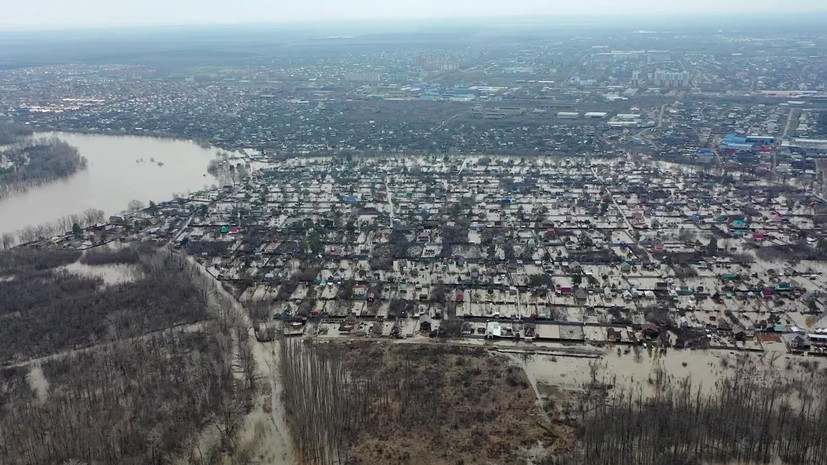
(482, 247)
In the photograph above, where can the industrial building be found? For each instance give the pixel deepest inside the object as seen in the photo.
(763, 140)
(623, 124)
(809, 146)
(627, 116)
(568, 114)
(595, 114)
(625, 120)
(734, 143)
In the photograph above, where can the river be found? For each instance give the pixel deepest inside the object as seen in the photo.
(112, 178)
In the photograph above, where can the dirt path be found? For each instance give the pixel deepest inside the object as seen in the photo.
(265, 433)
(35, 363)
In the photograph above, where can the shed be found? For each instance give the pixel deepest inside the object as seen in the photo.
(493, 329)
(650, 331)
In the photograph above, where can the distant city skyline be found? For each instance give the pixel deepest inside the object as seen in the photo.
(59, 14)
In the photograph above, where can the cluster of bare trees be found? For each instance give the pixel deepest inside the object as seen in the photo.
(98, 314)
(62, 225)
(36, 162)
(163, 295)
(325, 406)
(144, 394)
(26, 260)
(442, 399)
(743, 421)
(133, 402)
(11, 133)
(115, 256)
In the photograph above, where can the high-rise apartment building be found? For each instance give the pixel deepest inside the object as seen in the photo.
(671, 78)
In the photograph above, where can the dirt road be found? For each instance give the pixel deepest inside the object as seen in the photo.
(265, 433)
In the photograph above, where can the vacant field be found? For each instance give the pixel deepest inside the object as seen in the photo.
(379, 403)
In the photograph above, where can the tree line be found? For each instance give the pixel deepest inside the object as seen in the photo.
(23, 260)
(134, 402)
(62, 225)
(348, 404)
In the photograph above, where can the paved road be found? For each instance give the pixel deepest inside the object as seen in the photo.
(788, 128)
(660, 115)
(176, 238)
(442, 124)
(390, 201)
(464, 163)
(614, 201)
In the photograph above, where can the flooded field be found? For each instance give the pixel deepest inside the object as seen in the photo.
(110, 274)
(638, 369)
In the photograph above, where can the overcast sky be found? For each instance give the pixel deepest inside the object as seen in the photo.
(49, 14)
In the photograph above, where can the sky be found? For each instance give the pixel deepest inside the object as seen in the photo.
(71, 14)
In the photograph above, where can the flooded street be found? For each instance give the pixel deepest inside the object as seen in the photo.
(120, 169)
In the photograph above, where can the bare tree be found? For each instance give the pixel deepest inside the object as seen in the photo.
(7, 240)
(27, 234)
(135, 206)
(44, 230)
(63, 223)
(92, 216)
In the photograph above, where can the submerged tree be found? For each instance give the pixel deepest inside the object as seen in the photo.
(744, 420)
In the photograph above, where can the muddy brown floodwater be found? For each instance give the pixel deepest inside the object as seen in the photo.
(110, 274)
(120, 169)
(635, 370)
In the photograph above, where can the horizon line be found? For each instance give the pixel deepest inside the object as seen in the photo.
(99, 27)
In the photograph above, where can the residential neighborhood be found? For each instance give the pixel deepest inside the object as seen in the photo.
(520, 249)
